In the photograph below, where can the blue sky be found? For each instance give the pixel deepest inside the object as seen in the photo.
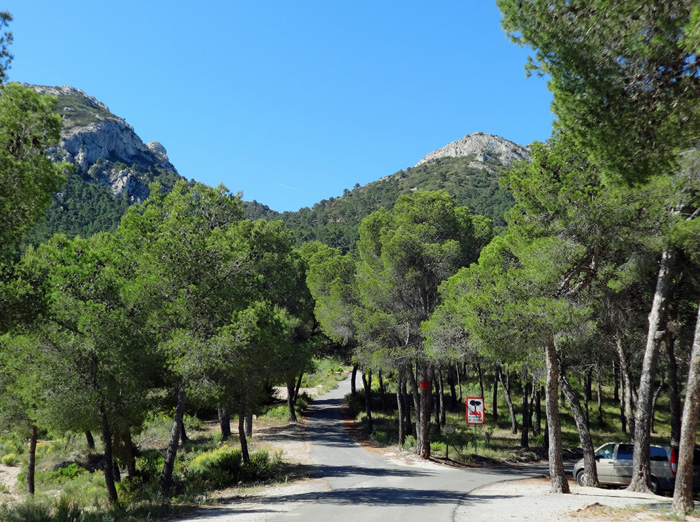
(289, 101)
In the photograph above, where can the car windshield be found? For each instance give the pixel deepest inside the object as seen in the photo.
(605, 452)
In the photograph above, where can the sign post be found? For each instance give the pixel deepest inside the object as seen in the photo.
(475, 415)
(447, 430)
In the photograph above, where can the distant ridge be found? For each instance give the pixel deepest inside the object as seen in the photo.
(483, 146)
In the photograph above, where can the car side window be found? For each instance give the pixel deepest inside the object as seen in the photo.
(625, 452)
(657, 454)
(605, 452)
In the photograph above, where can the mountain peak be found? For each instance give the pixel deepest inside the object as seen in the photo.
(484, 146)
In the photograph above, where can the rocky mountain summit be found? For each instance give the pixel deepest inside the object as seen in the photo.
(483, 146)
(103, 147)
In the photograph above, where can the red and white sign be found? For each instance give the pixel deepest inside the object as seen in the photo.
(475, 410)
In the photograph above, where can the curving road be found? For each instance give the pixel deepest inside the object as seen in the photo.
(359, 485)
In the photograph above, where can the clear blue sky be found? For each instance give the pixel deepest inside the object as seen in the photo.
(288, 101)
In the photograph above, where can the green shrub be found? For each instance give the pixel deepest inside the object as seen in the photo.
(65, 474)
(410, 442)
(224, 458)
(380, 437)
(29, 511)
(437, 446)
(10, 459)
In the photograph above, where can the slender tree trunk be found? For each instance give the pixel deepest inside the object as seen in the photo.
(130, 452)
(408, 427)
(248, 424)
(459, 382)
(506, 394)
(494, 406)
(291, 404)
(641, 465)
(442, 400)
(367, 384)
(425, 402)
(90, 440)
(416, 407)
(298, 387)
(655, 398)
(382, 391)
(683, 493)
(399, 407)
(673, 391)
(626, 396)
(108, 457)
(166, 477)
(616, 377)
(451, 383)
(224, 422)
(183, 433)
(537, 427)
(588, 394)
(353, 388)
(31, 462)
(241, 435)
(556, 461)
(599, 398)
(524, 443)
(481, 379)
(590, 469)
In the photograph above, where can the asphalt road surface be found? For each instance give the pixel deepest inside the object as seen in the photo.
(360, 485)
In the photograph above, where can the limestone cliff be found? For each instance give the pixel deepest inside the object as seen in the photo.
(104, 146)
(483, 146)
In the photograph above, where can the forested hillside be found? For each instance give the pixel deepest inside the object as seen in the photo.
(335, 221)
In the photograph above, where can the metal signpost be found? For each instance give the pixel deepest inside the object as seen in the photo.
(475, 414)
(447, 430)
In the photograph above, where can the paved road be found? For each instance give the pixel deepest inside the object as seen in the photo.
(359, 485)
(368, 487)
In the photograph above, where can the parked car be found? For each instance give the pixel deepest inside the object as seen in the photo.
(614, 464)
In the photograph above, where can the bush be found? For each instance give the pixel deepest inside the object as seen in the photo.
(437, 446)
(410, 442)
(62, 475)
(10, 459)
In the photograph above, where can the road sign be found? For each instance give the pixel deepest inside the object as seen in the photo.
(448, 430)
(475, 410)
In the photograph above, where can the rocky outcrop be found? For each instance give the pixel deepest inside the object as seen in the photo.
(483, 146)
(104, 145)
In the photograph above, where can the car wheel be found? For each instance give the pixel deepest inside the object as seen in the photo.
(580, 476)
(655, 487)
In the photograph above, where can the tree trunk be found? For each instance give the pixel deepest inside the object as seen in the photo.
(224, 422)
(130, 454)
(626, 396)
(451, 383)
(408, 427)
(291, 404)
(31, 463)
(417, 408)
(494, 406)
(616, 377)
(683, 493)
(655, 398)
(599, 398)
(248, 424)
(590, 469)
(481, 380)
(556, 461)
(166, 477)
(673, 391)
(537, 426)
(588, 394)
(399, 407)
(298, 387)
(241, 435)
(506, 394)
(108, 456)
(524, 443)
(382, 391)
(641, 466)
(367, 385)
(90, 440)
(425, 402)
(459, 382)
(353, 388)
(442, 400)
(183, 433)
